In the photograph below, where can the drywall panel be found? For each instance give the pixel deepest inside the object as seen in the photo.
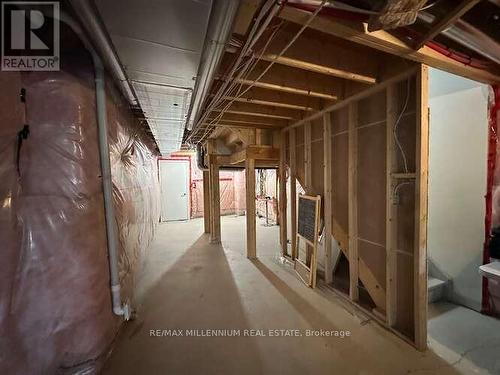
(457, 183)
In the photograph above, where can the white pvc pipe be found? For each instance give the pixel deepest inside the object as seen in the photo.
(107, 183)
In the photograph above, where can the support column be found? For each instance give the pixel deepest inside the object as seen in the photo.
(282, 196)
(420, 242)
(293, 190)
(353, 203)
(206, 201)
(327, 173)
(214, 193)
(250, 203)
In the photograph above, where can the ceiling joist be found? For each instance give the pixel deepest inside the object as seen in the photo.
(447, 21)
(321, 69)
(383, 41)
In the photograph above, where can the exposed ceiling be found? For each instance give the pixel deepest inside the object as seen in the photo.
(287, 60)
(159, 46)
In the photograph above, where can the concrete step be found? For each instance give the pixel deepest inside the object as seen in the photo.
(436, 289)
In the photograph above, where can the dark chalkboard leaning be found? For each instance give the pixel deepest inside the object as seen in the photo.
(308, 217)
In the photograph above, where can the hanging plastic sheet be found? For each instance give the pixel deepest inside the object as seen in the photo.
(55, 305)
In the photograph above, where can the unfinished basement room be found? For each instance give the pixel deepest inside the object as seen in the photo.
(250, 187)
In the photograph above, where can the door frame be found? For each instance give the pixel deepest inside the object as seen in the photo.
(179, 158)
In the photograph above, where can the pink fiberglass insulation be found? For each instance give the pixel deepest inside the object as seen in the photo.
(55, 304)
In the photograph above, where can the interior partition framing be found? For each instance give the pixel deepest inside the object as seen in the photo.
(373, 181)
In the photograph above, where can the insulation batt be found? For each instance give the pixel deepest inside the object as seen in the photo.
(55, 304)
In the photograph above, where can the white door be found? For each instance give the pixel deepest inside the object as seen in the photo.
(174, 180)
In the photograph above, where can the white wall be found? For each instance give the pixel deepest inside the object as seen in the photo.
(457, 182)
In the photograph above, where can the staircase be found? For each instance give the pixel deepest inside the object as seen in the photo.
(437, 283)
(436, 289)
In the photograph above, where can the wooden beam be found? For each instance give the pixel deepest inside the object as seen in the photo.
(353, 202)
(266, 111)
(449, 19)
(269, 103)
(255, 152)
(250, 208)
(285, 99)
(383, 41)
(228, 118)
(293, 189)
(321, 69)
(282, 198)
(256, 114)
(356, 97)
(263, 83)
(206, 201)
(327, 172)
(390, 207)
(420, 251)
(215, 234)
(288, 79)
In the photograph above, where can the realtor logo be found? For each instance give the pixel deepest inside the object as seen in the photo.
(30, 36)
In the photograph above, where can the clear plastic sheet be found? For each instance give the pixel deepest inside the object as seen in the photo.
(55, 304)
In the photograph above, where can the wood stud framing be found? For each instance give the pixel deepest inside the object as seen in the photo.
(282, 198)
(391, 211)
(420, 251)
(293, 190)
(206, 201)
(250, 205)
(327, 198)
(215, 234)
(353, 202)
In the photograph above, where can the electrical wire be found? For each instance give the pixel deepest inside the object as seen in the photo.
(395, 129)
(273, 61)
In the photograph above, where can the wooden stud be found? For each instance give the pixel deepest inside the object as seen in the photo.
(390, 208)
(422, 162)
(250, 203)
(282, 198)
(293, 190)
(327, 172)
(258, 137)
(215, 235)
(206, 201)
(308, 177)
(353, 203)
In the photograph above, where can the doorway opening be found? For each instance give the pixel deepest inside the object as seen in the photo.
(458, 170)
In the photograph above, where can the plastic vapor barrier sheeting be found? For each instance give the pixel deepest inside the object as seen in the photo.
(55, 305)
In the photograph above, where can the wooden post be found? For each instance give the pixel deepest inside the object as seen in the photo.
(214, 192)
(282, 197)
(206, 201)
(250, 203)
(327, 171)
(293, 190)
(308, 177)
(390, 207)
(353, 202)
(420, 251)
(258, 136)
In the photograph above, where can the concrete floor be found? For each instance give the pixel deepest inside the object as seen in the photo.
(189, 284)
(464, 337)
